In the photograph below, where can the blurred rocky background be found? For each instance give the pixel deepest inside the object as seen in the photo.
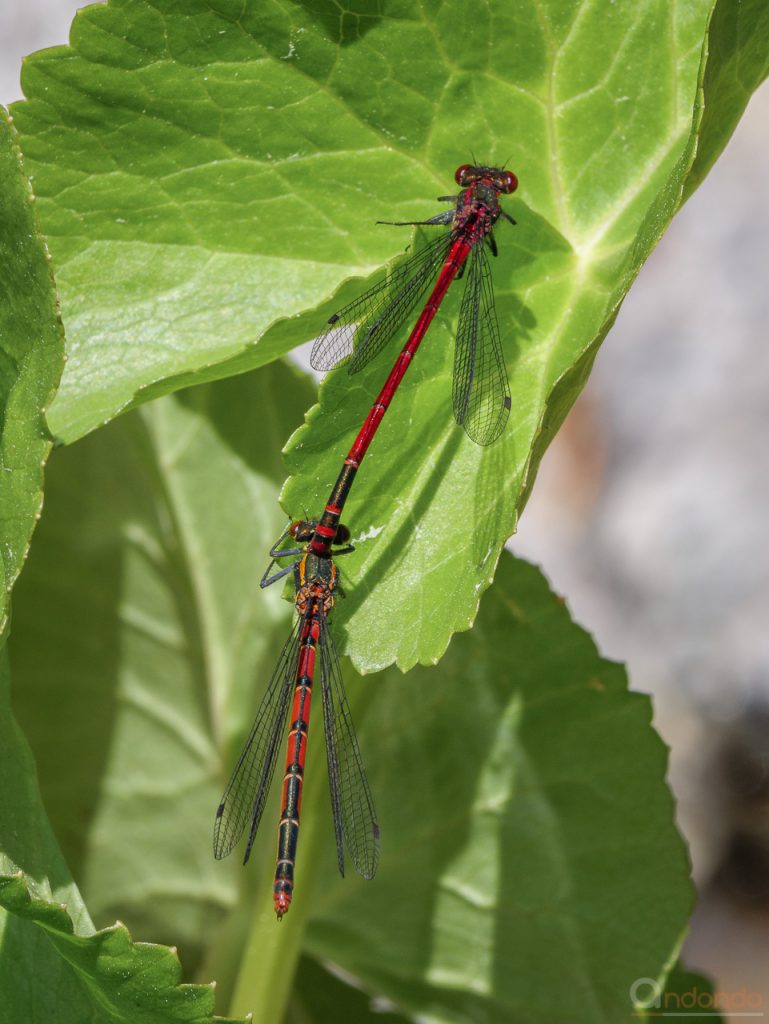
(650, 516)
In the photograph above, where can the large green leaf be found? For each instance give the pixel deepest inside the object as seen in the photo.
(530, 866)
(208, 169)
(51, 973)
(528, 841)
(205, 171)
(31, 358)
(53, 964)
(609, 124)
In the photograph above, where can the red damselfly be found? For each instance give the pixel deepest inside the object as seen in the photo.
(480, 393)
(310, 643)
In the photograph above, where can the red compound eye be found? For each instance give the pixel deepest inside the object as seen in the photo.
(463, 172)
(509, 182)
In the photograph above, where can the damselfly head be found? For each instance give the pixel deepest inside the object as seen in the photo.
(302, 529)
(502, 180)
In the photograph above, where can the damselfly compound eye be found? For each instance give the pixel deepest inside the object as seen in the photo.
(463, 172)
(509, 182)
(342, 534)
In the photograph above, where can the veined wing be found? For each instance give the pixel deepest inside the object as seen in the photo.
(362, 329)
(246, 792)
(480, 394)
(352, 805)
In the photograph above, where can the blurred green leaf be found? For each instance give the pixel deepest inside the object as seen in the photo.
(54, 966)
(27, 843)
(140, 623)
(31, 358)
(683, 994)
(530, 866)
(320, 996)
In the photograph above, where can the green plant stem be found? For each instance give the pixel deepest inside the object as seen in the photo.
(264, 982)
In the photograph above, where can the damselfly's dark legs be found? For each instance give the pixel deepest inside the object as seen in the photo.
(302, 531)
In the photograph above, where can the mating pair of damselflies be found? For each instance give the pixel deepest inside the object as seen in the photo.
(481, 401)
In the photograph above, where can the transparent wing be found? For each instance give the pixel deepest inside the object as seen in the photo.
(351, 801)
(481, 395)
(244, 798)
(361, 330)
